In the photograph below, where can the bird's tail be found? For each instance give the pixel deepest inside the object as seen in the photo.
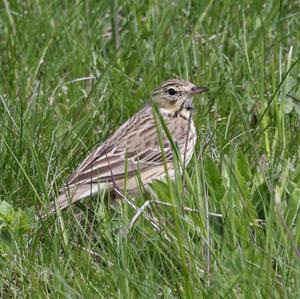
(69, 196)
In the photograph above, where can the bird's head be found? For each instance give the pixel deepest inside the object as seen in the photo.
(176, 95)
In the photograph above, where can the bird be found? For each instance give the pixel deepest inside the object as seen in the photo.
(137, 149)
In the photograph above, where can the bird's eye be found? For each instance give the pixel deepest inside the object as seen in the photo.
(171, 91)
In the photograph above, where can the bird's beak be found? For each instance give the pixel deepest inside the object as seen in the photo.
(198, 90)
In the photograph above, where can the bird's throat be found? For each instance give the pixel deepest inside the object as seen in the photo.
(183, 113)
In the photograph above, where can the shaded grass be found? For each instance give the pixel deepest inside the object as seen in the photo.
(71, 73)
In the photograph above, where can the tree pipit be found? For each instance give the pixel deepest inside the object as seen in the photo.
(137, 148)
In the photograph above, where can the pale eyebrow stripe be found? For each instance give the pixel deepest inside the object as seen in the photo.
(170, 83)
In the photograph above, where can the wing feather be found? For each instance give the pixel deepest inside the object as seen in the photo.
(133, 147)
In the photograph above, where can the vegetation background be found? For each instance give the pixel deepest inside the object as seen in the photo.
(72, 71)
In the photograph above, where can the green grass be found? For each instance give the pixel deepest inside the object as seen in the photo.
(71, 72)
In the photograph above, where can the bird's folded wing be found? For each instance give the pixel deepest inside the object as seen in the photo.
(128, 152)
(108, 166)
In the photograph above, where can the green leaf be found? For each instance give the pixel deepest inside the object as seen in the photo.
(213, 179)
(243, 165)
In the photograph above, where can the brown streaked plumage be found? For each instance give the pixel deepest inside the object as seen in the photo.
(135, 147)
